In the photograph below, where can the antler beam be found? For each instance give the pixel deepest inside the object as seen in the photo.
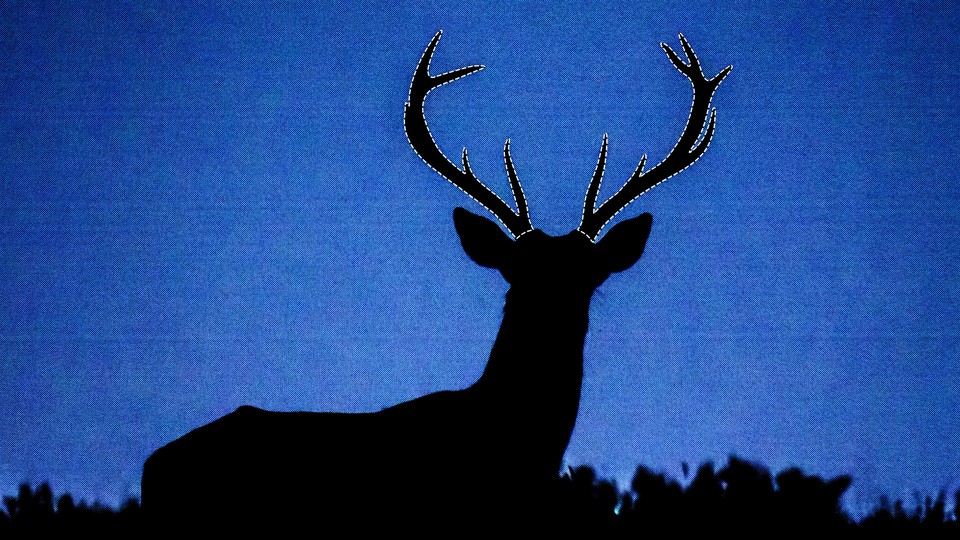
(684, 153)
(415, 125)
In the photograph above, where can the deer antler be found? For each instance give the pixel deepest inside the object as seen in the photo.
(684, 153)
(415, 125)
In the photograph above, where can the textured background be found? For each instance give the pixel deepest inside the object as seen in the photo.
(206, 206)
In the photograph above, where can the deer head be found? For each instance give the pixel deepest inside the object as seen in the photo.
(527, 257)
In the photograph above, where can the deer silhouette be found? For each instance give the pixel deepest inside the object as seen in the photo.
(478, 457)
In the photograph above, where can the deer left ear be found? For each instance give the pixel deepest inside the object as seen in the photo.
(622, 246)
(481, 238)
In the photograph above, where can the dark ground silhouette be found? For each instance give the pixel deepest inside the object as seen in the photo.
(36, 514)
(741, 499)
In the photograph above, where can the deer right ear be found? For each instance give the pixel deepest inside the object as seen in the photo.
(481, 238)
(623, 245)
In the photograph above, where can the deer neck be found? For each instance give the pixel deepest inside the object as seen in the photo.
(537, 360)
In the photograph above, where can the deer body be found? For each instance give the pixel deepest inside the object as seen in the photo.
(481, 457)
(502, 439)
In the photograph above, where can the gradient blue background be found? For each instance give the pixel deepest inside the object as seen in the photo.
(207, 206)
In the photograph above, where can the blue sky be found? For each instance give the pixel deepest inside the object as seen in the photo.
(208, 206)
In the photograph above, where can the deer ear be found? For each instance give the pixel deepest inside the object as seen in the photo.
(481, 238)
(623, 245)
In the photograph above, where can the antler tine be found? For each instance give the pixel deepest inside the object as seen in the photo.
(420, 138)
(518, 197)
(590, 199)
(684, 153)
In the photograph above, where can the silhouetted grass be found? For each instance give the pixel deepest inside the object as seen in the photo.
(741, 498)
(34, 513)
